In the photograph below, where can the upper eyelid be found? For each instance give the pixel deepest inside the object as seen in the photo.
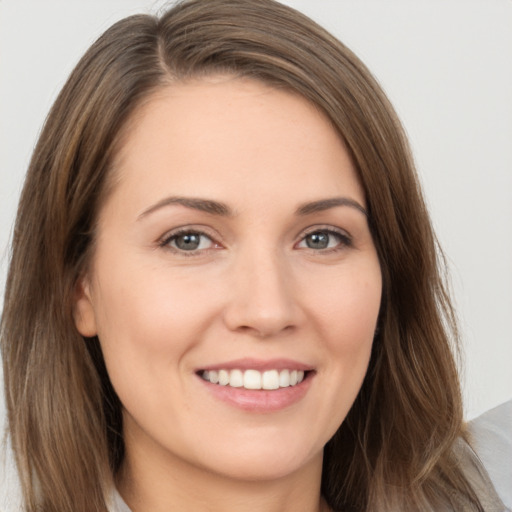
(200, 230)
(324, 227)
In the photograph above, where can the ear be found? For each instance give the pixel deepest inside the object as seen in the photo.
(83, 310)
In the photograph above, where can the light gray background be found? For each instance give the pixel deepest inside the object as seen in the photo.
(447, 67)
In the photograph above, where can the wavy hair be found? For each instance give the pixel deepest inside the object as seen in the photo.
(394, 451)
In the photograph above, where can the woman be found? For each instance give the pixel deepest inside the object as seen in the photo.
(225, 265)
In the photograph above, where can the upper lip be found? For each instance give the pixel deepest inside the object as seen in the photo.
(259, 364)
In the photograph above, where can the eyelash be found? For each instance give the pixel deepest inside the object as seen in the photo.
(343, 239)
(168, 238)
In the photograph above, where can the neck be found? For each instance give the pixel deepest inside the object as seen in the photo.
(147, 486)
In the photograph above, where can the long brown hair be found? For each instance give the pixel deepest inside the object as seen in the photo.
(394, 451)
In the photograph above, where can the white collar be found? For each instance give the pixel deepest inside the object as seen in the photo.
(117, 503)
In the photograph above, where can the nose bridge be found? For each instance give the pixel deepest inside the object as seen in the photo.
(262, 299)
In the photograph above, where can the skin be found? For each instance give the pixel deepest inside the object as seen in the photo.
(254, 288)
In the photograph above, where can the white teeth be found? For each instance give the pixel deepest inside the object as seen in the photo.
(236, 379)
(253, 379)
(284, 378)
(270, 380)
(223, 377)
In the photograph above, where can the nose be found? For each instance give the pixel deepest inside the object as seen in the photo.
(261, 301)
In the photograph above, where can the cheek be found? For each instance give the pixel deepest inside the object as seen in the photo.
(142, 299)
(346, 316)
(149, 321)
(343, 308)
(347, 307)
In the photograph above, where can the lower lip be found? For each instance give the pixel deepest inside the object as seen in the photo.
(260, 400)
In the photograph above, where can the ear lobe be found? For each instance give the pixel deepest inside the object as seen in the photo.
(83, 310)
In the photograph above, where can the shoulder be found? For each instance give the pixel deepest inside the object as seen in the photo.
(10, 491)
(491, 438)
(478, 478)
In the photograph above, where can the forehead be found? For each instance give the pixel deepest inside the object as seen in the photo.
(224, 134)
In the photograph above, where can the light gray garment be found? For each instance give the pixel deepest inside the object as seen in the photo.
(118, 505)
(479, 479)
(10, 489)
(491, 436)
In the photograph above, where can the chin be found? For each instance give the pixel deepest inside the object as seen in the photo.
(265, 460)
(269, 468)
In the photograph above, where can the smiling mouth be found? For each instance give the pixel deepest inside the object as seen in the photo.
(254, 379)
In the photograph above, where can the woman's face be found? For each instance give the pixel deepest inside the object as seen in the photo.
(234, 247)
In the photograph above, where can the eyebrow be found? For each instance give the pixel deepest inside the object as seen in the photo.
(217, 208)
(203, 205)
(327, 204)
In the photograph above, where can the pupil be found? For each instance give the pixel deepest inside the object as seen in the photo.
(317, 240)
(188, 242)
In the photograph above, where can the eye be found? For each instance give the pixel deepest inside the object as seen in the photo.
(322, 239)
(188, 241)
